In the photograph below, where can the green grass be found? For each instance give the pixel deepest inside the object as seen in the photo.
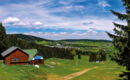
(21, 72)
(83, 45)
(107, 69)
(31, 52)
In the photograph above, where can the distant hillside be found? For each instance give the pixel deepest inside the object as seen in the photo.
(34, 38)
(29, 37)
(92, 40)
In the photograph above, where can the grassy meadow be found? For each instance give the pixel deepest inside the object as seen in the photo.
(106, 70)
(56, 69)
(21, 72)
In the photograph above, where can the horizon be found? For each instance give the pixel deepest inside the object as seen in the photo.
(60, 19)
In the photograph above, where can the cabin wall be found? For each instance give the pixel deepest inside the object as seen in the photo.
(22, 58)
(37, 62)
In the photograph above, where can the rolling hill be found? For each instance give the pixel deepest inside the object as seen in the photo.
(91, 40)
(29, 37)
(35, 38)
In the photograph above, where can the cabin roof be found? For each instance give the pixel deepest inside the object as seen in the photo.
(31, 52)
(38, 57)
(11, 49)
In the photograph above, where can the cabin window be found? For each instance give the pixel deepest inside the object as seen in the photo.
(15, 59)
(12, 59)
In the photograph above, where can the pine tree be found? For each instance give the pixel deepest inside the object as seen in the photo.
(121, 40)
(3, 41)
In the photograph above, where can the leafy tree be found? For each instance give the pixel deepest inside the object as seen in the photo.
(121, 40)
(73, 52)
(102, 53)
(79, 56)
(92, 57)
(3, 41)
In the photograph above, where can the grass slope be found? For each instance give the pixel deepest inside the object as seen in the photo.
(56, 69)
(21, 72)
(107, 70)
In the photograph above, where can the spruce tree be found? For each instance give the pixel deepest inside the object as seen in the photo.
(3, 41)
(121, 40)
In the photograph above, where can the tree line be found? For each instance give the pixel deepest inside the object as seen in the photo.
(7, 41)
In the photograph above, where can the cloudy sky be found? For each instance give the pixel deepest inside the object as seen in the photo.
(60, 19)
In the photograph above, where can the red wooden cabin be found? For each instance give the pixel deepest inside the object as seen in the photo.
(15, 56)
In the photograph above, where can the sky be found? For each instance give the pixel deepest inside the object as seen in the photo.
(60, 19)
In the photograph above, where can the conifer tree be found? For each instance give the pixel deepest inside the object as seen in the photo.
(121, 40)
(3, 41)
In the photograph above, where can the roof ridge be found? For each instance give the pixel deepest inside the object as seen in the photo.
(9, 50)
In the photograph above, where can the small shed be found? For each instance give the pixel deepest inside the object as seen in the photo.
(35, 58)
(15, 56)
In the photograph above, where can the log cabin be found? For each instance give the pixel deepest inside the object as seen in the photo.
(17, 56)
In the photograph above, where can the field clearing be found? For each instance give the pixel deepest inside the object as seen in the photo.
(21, 72)
(57, 69)
(107, 70)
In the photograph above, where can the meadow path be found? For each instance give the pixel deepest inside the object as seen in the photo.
(73, 75)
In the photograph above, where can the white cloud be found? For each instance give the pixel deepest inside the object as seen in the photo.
(37, 23)
(43, 15)
(103, 3)
(21, 24)
(14, 21)
(28, 15)
(74, 35)
(66, 2)
(11, 20)
(78, 24)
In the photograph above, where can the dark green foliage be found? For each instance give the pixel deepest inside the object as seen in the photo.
(97, 56)
(102, 53)
(7, 41)
(47, 52)
(80, 52)
(121, 40)
(92, 57)
(3, 40)
(29, 37)
(91, 40)
(79, 56)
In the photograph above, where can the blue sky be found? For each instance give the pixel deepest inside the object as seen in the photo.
(60, 19)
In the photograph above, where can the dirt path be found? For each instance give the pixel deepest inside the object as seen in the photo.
(73, 75)
(53, 77)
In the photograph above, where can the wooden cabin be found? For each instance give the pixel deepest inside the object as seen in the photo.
(15, 56)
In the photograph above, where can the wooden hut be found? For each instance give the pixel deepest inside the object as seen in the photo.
(35, 58)
(15, 56)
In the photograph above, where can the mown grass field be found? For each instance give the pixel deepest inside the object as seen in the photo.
(21, 72)
(55, 69)
(107, 70)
